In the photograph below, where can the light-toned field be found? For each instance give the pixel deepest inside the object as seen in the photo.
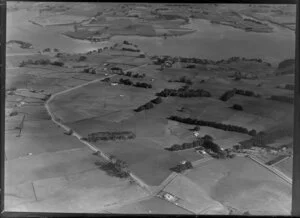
(37, 137)
(153, 205)
(65, 181)
(286, 166)
(193, 197)
(243, 184)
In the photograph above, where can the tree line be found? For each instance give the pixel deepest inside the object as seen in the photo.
(131, 49)
(182, 167)
(229, 94)
(182, 79)
(128, 82)
(188, 145)
(225, 127)
(149, 104)
(105, 136)
(184, 92)
(131, 74)
(41, 62)
(281, 98)
(161, 59)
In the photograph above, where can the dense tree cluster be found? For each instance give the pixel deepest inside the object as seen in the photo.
(191, 66)
(286, 63)
(47, 50)
(131, 49)
(90, 70)
(246, 93)
(176, 147)
(225, 127)
(184, 93)
(116, 167)
(182, 167)
(262, 139)
(130, 74)
(237, 107)
(106, 79)
(163, 59)
(282, 98)
(182, 79)
(82, 58)
(128, 82)
(125, 42)
(41, 62)
(105, 136)
(229, 94)
(149, 104)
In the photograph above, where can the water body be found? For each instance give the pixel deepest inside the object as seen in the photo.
(213, 41)
(210, 41)
(19, 28)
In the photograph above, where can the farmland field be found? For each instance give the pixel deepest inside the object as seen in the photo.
(149, 108)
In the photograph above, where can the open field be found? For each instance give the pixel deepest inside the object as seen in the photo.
(286, 166)
(243, 184)
(57, 179)
(153, 205)
(63, 87)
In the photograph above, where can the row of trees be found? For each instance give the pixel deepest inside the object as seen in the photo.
(149, 105)
(246, 93)
(162, 59)
(128, 82)
(90, 70)
(229, 94)
(188, 145)
(184, 93)
(225, 127)
(282, 98)
(131, 49)
(116, 167)
(182, 79)
(262, 139)
(130, 74)
(41, 62)
(105, 136)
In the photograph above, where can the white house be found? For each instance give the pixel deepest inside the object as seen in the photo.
(169, 197)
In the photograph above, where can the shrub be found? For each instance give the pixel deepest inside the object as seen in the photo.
(47, 50)
(157, 100)
(82, 58)
(58, 63)
(237, 107)
(182, 167)
(227, 95)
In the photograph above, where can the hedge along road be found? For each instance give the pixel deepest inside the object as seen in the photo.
(79, 137)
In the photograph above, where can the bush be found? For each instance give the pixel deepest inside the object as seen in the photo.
(157, 100)
(58, 63)
(237, 107)
(182, 167)
(82, 58)
(47, 50)
(227, 95)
